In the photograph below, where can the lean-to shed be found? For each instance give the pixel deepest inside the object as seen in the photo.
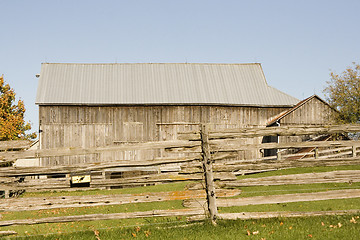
(92, 105)
(310, 111)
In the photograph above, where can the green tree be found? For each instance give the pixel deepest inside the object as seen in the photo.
(12, 123)
(343, 94)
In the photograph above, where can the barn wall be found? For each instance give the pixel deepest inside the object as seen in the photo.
(90, 126)
(314, 112)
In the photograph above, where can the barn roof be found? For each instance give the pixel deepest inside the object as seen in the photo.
(157, 83)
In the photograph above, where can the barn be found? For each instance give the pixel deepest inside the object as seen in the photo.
(94, 105)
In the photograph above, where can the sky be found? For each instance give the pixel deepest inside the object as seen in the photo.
(298, 43)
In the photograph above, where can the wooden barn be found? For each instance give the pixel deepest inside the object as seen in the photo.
(93, 105)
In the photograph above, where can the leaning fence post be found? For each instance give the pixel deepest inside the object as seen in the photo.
(7, 193)
(209, 179)
(316, 153)
(353, 151)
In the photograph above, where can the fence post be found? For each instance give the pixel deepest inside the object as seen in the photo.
(209, 179)
(7, 193)
(316, 153)
(354, 151)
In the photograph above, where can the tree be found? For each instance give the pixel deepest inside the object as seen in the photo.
(343, 94)
(12, 123)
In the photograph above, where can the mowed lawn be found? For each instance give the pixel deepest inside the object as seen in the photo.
(324, 227)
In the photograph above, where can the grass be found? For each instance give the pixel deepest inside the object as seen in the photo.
(323, 205)
(325, 227)
(71, 227)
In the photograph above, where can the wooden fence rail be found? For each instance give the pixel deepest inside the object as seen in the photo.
(212, 160)
(272, 131)
(11, 156)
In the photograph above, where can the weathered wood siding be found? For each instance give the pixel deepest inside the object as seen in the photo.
(90, 126)
(313, 112)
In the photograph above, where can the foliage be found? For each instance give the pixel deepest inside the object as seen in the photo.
(343, 93)
(12, 123)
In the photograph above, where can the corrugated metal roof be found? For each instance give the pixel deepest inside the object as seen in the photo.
(157, 83)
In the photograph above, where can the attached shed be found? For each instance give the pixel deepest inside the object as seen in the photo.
(93, 105)
(310, 111)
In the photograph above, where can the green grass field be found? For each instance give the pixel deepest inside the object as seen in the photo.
(326, 227)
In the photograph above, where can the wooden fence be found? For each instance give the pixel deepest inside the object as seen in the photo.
(307, 154)
(212, 160)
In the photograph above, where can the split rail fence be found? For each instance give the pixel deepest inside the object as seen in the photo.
(212, 161)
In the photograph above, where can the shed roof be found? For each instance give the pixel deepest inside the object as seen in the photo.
(157, 83)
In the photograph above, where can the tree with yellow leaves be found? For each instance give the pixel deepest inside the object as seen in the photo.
(12, 123)
(343, 94)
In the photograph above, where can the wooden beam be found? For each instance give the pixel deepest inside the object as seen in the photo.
(37, 203)
(113, 148)
(14, 144)
(282, 164)
(238, 145)
(284, 198)
(344, 176)
(208, 174)
(283, 131)
(23, 171)
(97, 217)
(260, 215)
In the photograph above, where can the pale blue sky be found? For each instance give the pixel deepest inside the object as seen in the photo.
(298, 43)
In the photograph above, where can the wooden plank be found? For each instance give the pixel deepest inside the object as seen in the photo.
(161, 178)
(62, 183)
(282, 164)
(14, 144)
(332, 150)
(37, 203)
(266, 165)
(305, 178)
(22, 171)
(113, 148)
(284, 198)
(208, 174)
(260, 215)
(275, 131)
(179, 123)
(192, 136)
(97, 217)
(238, 145)
(283, 131)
